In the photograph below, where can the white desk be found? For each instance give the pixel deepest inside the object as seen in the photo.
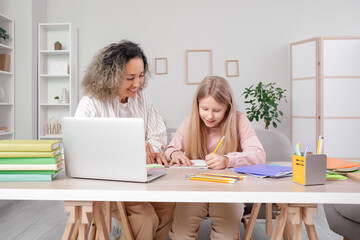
(173, 187)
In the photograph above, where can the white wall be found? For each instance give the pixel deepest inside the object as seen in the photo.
(256, 32)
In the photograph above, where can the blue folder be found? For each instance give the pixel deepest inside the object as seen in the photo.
(265, 170)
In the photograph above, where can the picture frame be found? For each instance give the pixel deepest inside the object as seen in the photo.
(161, 66)
(232, 68)
(198, 64)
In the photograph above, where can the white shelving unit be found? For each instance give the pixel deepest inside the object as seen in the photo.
(51, 84)
(325, 81)
(7, 82)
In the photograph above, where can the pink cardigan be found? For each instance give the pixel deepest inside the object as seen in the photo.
(250, 149)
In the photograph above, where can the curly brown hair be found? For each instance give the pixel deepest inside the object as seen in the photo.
(105, 74)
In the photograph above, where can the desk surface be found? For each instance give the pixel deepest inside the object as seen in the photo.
(173, 187)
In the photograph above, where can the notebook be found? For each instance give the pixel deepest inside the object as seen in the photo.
(106, 148)
(265, 170)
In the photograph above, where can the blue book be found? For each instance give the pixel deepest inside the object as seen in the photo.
(265, 170)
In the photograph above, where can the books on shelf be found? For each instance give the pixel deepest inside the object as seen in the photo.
(28, 145)
(265, 170)
(30, 160)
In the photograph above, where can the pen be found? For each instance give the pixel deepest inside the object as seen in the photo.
(219, 144)
(299, 143)
(297, 150)
(306, 149)
(318, 146)
(321, 148)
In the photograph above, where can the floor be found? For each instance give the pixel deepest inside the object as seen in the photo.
(22, 220)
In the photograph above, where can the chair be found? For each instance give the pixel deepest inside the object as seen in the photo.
(344, 219)
(278, 149)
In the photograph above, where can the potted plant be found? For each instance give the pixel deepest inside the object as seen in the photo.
(3, 35)
(264, 100)
(57, 99)
(57, 45)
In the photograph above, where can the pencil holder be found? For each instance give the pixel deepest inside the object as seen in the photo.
(309, 170)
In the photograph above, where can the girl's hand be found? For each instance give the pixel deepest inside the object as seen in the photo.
(150, 154)
(179, 158)
(215, 161)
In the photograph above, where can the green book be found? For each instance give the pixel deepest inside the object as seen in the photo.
(28, 145)
(28, 177)
(49, 160)
(334, 176)
(30, 154)
(30, 171)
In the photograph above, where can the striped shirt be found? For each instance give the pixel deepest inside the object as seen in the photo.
(137, 107)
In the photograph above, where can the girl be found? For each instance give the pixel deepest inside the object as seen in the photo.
(213, 116)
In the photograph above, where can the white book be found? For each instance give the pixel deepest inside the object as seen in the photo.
(13, 167)
(198, 163)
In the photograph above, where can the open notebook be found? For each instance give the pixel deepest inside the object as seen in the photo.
(198, 163)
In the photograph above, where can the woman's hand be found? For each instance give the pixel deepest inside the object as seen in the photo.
(160, 158)
(154, 157)
(150, 154)
(179, 158)
(215, 161)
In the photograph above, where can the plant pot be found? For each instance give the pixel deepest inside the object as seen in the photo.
(2, 41)
(57, 46)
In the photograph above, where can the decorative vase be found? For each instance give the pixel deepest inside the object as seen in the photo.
(64, 96)
(2, 41)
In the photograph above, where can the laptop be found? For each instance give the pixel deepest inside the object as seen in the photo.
(106, 148)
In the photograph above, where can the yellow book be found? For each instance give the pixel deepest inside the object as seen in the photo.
(30, 154)
(29, 145)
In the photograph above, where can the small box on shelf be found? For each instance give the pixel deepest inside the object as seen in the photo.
(4, 62)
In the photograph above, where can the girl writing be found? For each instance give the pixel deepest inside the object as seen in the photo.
(213, 116)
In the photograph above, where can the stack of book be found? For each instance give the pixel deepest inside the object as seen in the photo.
(30, 160)
(339, 169)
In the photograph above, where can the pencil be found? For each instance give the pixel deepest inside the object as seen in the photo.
(219, 144)
(209, 177)
(224, 175)
(211, 180)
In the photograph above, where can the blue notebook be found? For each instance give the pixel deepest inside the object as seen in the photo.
(265, 170)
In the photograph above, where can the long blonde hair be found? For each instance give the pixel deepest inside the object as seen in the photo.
(220, 90)
(105, 74)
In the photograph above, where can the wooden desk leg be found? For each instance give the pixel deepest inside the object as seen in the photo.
(268, 218)
(294, 222)
(100, 222)
(308, 221)
(108, 216)
(125, 225)
(253, 216)
(280, 222)
(74, 215)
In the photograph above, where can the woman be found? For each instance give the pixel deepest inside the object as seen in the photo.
(113, 87)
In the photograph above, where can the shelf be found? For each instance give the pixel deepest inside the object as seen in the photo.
(6, 104)
(4, 18)
(51, 136)
(55, 104)
(6, 73)
(54, 76)
(5, 47)
(5, 133)
(55, 52)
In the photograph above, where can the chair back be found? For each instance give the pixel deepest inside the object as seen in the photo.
(276, 145)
